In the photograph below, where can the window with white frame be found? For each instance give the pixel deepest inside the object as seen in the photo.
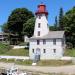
(38, 33)
(54, 41)
(39, 24)
(44, 41)
(38, 42)
(39, 16)
(33, 50)
(54, 50)
(44, 50)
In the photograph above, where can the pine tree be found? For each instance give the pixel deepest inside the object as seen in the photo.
(61, 27)
(56, 22)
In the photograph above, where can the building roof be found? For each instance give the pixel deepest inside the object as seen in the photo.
(2, 33)
(51, 35)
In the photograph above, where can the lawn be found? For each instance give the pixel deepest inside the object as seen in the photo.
(54, 62)
(4, 48)
(17, 52)
(40, 63)
(70, 52)
(20, 62)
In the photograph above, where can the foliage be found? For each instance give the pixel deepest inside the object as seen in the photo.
(17, 52)
(40, 63)
(61, 27)
(70, 52)
(53, 28)
(4, 48)
(17, 18)
(28, 27)
(54, 62)
(67, 23)
(69, 45)
(69, 26)
(5, 27)
(16, 21)
(23, 44)
(56, 24)
(20, 62)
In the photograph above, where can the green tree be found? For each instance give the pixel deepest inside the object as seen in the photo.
(55, 24)
(17, 18)
(52, 28)
(69, 26)
(28, 27)
(5, 27)
(61, 27)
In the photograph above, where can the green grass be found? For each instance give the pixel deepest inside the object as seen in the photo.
(20, 62)
(40, 63)
(4, 48)
(70, 52)
(54, 62)
(17, 52)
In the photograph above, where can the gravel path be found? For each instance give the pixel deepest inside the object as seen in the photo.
(61, 69)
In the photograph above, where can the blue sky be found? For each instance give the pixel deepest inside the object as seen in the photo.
(53, 6)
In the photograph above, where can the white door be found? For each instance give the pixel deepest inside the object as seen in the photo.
(38, 52)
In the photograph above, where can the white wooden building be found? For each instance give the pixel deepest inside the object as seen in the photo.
(44, 43)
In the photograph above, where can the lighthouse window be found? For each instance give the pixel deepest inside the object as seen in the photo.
(38, 33)
(44, 50)
(39, 16)
(38, 25)
(33, 50)
(38, 42)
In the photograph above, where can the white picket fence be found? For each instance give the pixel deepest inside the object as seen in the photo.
(18, 47)
(14, 57)
(27, 58)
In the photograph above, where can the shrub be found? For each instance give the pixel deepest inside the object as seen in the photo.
(24, 44)
(4, 48)
(69, 45)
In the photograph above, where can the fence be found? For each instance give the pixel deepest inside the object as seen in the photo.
(18, 47)
(14, 57)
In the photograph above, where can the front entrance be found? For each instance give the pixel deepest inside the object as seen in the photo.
(37, 54)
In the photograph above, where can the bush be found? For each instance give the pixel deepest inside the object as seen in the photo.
(69, 45)
(24, 44)
(4, 48)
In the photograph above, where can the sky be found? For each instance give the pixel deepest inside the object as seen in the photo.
(53, 6)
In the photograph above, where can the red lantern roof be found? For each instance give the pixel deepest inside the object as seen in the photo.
(41, 9)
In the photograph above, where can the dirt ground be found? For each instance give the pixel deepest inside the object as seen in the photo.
(70, 69)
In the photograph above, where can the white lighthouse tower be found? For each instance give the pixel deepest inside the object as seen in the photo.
(41, 23)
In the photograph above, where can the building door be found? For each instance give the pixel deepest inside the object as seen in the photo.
(37, 54)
